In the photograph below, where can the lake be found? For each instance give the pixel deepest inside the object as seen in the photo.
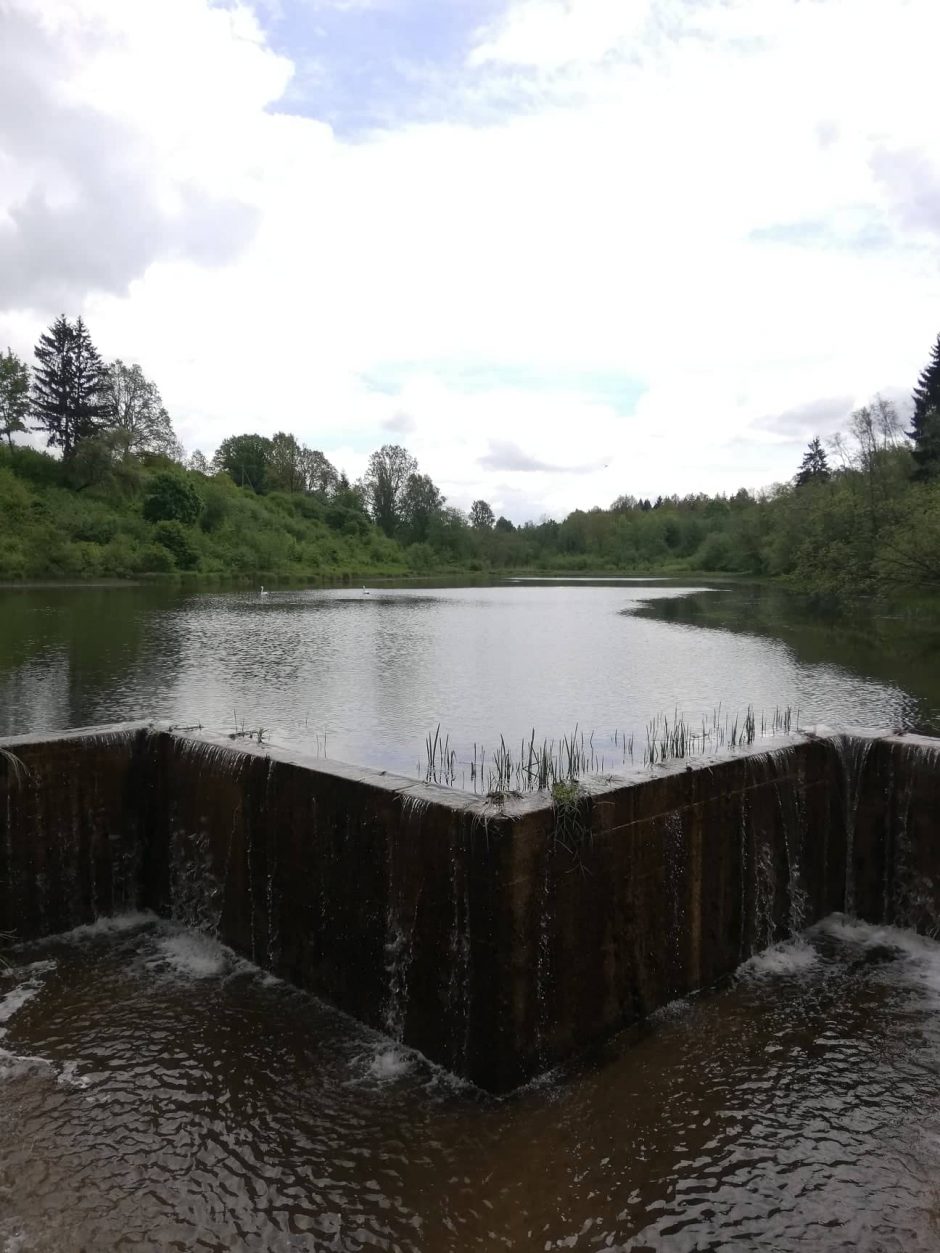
(365, 675)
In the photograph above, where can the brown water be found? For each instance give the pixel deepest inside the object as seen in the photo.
(157, 1093)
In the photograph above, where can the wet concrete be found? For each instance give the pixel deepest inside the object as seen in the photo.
(496, 937)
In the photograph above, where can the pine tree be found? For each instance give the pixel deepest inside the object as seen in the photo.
(69, 393)
(925, 424)
(814, 468)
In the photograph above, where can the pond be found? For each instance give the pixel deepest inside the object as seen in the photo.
(365, 675)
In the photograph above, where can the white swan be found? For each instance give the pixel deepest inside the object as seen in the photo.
(263, 592)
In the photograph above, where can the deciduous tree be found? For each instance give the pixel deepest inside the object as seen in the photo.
(14, 395)
(384, 482)
(138, 419)
(481, 516)
(420, 502)
(245, 458)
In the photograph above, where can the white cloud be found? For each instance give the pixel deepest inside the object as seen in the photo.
(643, 216)
(552, 33)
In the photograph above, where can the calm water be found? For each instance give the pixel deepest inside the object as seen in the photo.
(157, 1094)
(365, 676)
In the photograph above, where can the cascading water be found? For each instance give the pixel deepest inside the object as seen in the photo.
(458, 990)
(852, 752)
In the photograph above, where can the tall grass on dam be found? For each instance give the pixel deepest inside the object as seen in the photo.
(540, 765)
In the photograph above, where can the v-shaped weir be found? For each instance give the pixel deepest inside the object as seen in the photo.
(497, 939)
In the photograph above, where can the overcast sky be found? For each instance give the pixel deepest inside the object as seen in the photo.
(560, 249)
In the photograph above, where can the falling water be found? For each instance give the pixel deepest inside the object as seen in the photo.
(853, 752)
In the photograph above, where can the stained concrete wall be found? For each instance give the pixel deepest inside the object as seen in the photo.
(70, 843)
(495, 938)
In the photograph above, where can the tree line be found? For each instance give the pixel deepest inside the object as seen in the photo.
(861, 512)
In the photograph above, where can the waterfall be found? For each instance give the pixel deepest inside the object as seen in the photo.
(852, 753)
(458, 988)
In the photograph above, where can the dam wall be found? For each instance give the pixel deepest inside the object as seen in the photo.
(496, 935)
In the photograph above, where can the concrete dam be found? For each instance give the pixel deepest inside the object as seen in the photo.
(495, 935)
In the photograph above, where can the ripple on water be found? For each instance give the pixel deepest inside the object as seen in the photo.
(156, 1091)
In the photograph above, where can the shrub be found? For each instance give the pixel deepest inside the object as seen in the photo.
(171, 498)
(174, 537)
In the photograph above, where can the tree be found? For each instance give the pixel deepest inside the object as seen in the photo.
(139, 420)
(504, 526)
(14, 395)
(286, 471)
(925, 424)
(70, 386)
(814, 468)
(320, 475)
(420, 501)
(171, 498)
(245, 459)
(481, 516)
(199, 464)
(384, 483)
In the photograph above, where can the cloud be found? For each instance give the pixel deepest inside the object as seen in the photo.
(400, 423)
(91, 202)
(505, 455)
(555, 33)
(593, 249)
(912, 179)
(821, 417)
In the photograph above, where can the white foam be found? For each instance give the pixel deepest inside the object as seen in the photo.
(390, 1063)
(16, 998)
(790, 957)
(194, 955)
(13, 1066)
(110, 925)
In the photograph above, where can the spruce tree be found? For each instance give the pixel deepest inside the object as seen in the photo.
(925, 424)
(814, 468)
(69, 393)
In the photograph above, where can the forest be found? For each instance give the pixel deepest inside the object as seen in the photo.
(116, 496)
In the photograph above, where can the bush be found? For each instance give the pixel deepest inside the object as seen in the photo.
(174, 537)
(171, 498)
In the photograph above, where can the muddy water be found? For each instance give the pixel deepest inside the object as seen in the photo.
(156, 1093)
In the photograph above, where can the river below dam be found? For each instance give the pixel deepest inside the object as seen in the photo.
(157, 1093)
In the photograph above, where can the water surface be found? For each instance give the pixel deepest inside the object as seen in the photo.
(156, 1093)
(366, 675)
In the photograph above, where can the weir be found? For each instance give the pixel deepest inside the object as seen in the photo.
(496, 935)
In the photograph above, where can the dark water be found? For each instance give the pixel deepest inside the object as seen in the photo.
(365, 676)
(155, 1094)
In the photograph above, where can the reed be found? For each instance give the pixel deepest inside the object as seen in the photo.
(537, 766)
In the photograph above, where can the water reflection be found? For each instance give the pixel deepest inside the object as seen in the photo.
(375, 671)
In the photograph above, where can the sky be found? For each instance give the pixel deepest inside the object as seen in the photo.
(561, 250)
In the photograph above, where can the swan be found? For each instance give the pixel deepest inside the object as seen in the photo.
(263, 592)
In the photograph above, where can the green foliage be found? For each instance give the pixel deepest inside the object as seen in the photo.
(385, 482)
(138, 421)
(245, 459)
(925, 424)
(172, 498)
(70, 399)
(178, 540)
(814, 468)
(14, 395)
